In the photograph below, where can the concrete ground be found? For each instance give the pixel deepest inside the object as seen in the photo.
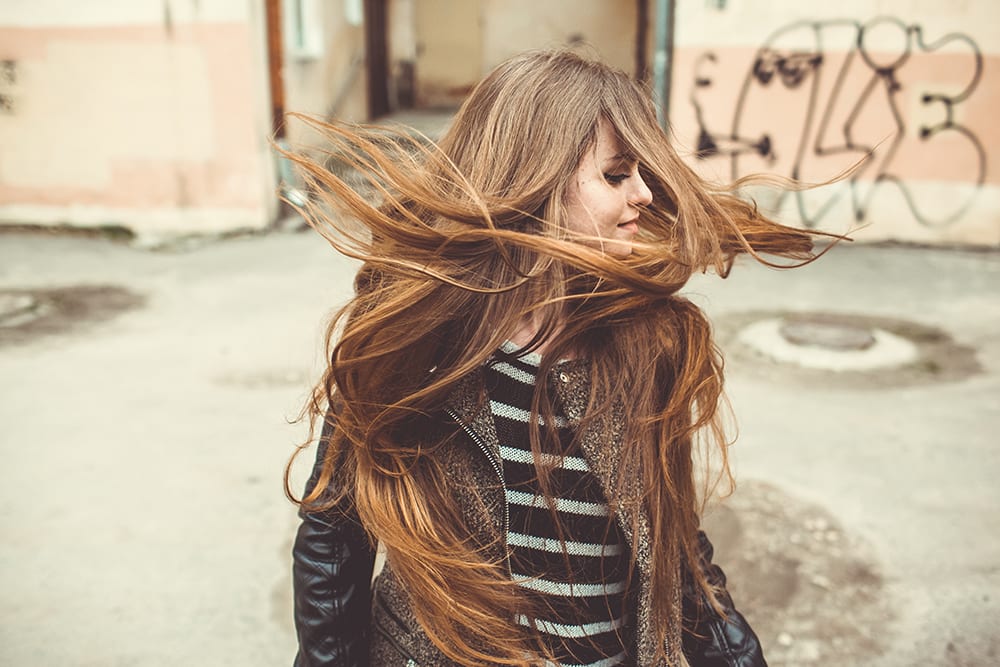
(145, 428)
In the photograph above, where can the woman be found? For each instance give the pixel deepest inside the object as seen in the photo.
(512, 405)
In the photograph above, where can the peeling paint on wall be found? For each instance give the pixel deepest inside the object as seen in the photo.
(8, 79)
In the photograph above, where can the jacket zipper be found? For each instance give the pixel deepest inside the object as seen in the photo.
(498, 469)
(410, 662)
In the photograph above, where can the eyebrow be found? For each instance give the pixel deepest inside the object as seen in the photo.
(623, 156)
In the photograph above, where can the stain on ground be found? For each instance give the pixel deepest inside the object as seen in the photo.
(263, 379)
(813, 593)
(64, 309)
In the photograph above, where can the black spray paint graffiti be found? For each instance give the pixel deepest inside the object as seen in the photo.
(794, 68)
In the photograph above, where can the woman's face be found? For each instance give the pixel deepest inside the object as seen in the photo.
(605, 194)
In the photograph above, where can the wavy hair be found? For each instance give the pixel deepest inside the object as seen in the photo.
(460, 243)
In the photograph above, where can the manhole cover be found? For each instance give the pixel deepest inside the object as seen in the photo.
(828, 346)
(859, 351)
(827, 335)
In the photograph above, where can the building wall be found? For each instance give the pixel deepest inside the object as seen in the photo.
(154, 114)
(449, 50)
(151, 114)
(906, 91)
(513, 26)
(442, 48)
(324, 63)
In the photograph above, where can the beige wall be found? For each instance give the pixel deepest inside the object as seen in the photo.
(939, 188)
(512, 26)
(327, 78)
(145, 113)
(449, 50)
(453, 44)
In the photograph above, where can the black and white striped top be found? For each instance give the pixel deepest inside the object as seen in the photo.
(582, 586)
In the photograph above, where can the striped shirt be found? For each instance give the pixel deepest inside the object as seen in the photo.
(578, 573)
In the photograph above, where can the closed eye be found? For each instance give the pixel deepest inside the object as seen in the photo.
(616, 179)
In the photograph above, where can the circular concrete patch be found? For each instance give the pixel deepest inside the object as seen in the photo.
(812, 591)
(832, 349)
(814, 349)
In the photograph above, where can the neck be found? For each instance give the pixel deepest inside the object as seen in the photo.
(529, 328)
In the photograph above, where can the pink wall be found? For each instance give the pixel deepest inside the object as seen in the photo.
(814, 113)
(782, 112)
(134, 117)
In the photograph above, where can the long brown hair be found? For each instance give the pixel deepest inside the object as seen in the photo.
(464, 241)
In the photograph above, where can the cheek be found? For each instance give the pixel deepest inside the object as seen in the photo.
(606, 211)
(578, 215)
(582, 222)
(593, 208)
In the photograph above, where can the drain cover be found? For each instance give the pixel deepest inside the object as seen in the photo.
(828, 347)
(827, 335)
(842, 349)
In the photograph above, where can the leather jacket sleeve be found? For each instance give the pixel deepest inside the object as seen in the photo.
(711, 640)
(331, 573)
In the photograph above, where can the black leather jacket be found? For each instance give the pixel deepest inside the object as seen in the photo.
(338, 624)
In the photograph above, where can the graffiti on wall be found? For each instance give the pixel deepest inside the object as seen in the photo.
(835, 113)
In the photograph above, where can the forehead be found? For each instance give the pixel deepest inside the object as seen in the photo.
(608, 145)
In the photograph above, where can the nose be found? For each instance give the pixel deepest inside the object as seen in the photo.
(640, 194)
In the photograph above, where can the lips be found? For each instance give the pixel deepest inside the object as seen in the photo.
(630, 226)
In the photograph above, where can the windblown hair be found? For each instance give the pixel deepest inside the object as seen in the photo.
(465, 241)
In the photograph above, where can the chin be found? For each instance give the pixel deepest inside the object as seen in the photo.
(618, 249)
